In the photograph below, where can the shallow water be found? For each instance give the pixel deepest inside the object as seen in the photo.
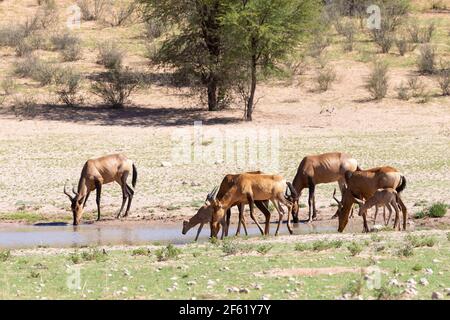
(64, 235)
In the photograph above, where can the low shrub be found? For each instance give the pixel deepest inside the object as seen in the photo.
(325, 77)
(406, 251)
(170, 252)
(4, 255)
(421, 241)
(68, 86)
(110, 55)
(140, 252)
(116, 87)
(92, 10)
(355, 248)
(426, 60)
(443, 76)
(436, 210)
(377, 82)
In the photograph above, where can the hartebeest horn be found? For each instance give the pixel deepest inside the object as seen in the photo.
(66, 193)
(292, 190)
(212, 195)
(336, 199)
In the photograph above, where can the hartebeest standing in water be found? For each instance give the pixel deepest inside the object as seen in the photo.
(97, 172)
(251, 188)
(204, 214)
(316, 169)
(363, 185)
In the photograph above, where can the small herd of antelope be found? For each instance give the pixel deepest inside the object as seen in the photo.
(377, 187)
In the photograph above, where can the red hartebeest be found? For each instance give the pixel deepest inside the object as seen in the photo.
(97, 172)
(251, 187)
(363, 185)
(317, 169)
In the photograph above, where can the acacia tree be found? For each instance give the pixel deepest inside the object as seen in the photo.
(194, 46)
(260, 33)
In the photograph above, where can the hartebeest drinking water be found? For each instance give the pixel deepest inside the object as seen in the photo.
(204, 214)
(97, 172)
(363, 185)
(251, 188)
(317, 169)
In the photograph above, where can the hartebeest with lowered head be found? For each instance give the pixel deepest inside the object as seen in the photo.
(204, 214)
(317, 169)
(363, 185)
(251, 188)
(97, 172)
(388, 198)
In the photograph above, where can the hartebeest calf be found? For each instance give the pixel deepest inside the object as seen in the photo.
(97, 172)
(317, 169)
(204, 214)
(363, 185)
(251, 188)
(388, 198)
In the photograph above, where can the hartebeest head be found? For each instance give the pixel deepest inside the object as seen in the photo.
(77, 204)
(340, 210)
(203, 214)
(218, 211)
(293, 196)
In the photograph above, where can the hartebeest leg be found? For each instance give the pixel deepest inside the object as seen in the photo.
(386, 221)
(241, 218)
(376, 214)
(86, 199)
(404, 211)
(366, 226)
(263, 208)
(311, 202)
(289, 207)
(123, 184)
(98, 186)
(250, 204)
(130, 199)
(228, 222)
(198, 231)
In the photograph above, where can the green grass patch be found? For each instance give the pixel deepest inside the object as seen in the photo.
(5, 255)
(421, 241)
(141, 252)
(436, 210)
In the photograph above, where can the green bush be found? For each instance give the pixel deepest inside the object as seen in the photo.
(169, 252)
(264, 248)
(437, 210)
(406, 251)
(421, 241)
(116, 87)
(320, 245)
(4, 255)
(302, 247)
(140, 252)
(355, 248)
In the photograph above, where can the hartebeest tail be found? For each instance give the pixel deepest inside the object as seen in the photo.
(402, 185)
(135, 175)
